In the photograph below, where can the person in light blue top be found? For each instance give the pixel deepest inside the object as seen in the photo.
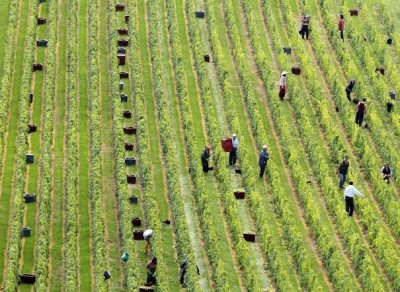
(263, 159)
(233, 153)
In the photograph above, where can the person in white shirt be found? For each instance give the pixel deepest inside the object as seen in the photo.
(282, 85)
(233, 153)
(349, 193)
(147, 234)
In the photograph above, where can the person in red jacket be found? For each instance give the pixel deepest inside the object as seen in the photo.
(341, 26)
(361, 111)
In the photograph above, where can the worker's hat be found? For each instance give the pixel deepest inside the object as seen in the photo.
(284, 73)
(234, 135)
(265, 147)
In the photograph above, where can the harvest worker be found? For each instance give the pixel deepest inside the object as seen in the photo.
(233, 152)
(386, 171)
(205, 157)
(182, 272)
(151, 272)
(263, 159)
(341, 26)
(282, 85)
(147, 235)
(349, 89)
(342, 171)
(361, 110)
(305, 26)
(349, 193)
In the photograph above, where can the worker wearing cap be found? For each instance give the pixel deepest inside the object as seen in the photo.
(205, 157)
(147, 235)
(233, 153)
(305, 27)
(282, 85)
(263, 159)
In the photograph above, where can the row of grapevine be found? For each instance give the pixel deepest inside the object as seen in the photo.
(71, 278)
(46, 163)
(96, 172)
(6, 78)
(131, 271)
(223, 175)
(291, 233)
(365, 209)
(14, 237)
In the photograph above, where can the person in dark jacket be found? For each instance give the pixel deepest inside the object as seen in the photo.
(305, 27)
(342, 171)
(182, 272)
(263, 159)
(349, 89)
(361, 111)
(151, 272)
(205, 157)
(341, 26)
(386, 171)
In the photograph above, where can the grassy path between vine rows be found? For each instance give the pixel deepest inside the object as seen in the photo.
(57, 260)
(85, 221)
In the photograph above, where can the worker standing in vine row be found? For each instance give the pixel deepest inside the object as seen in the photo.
(349, 193)
(341, 26)
(282, 85)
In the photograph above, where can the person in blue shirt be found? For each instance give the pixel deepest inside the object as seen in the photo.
(233, 153)
(263, 159)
